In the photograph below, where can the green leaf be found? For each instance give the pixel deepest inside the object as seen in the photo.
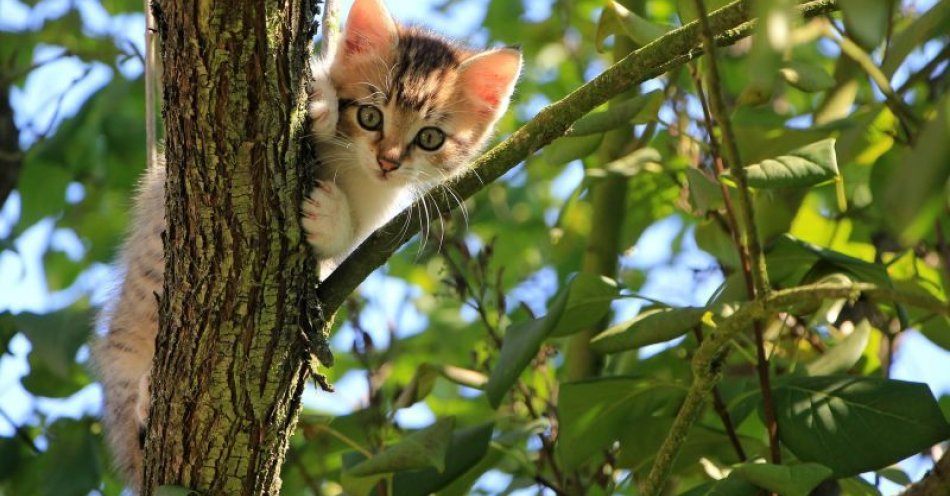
(42, 190)
(806, 77)
(687, 8)
(424, 380)
(856, 424)
(927, 25)
(568, 149)
(787, 480)
(640, 444)
(60, 270)
(704, 193)
(588, 300)
(595, 413)
(712, 237)
(55, 339)
(730, 486)
(650, 327)
(421, 449)
(56, 336)
(42, 381)
(791, 260)
(122, 6)
(857, 486)
(637, 110)
(915, 194)
(630, 164)
(805, 166)
(419, 387)
(618, 20)
(844, 355)
(71, 464)
(521, 344)
(866, 21)
(466, 449)
(937, 330)
(67, 31)
(8, 329)
(896, 475)
(14, 457)
(582, 304)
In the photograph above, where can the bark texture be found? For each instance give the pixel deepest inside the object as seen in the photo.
(230, 364)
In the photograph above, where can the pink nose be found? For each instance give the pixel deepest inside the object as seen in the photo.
(387, 165)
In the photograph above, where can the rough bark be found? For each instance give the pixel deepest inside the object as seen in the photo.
(935, 483)
(230, 363)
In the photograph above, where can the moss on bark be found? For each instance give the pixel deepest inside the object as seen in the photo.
(230, 364)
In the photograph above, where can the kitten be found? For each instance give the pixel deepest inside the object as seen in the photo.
(396, 111)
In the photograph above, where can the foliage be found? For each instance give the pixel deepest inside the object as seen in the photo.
(842, 125)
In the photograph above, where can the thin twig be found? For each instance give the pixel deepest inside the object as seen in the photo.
(925, 71)
(750, 250)
(720, 406)
(893, 101)
(20, 433)
(548, 484)
(708, 359)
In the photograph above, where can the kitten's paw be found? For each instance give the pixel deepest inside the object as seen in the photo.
(142, 402)
(326, 220)
(323, 105)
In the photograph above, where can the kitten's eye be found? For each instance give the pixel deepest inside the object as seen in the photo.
(430, 138)
(369, 117)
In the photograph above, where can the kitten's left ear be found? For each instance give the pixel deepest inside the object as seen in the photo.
(370, 30)
(488, 78)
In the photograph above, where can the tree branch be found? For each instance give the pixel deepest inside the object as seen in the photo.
(750, 248)
(663, 54)
(707, 361)
(936, 482)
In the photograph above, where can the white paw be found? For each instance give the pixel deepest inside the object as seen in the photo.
(326, 220)
(323, 105)
(142, 402)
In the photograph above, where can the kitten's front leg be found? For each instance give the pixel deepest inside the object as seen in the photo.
(327, 220)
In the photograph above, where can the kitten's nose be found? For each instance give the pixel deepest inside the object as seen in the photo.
(387, 164)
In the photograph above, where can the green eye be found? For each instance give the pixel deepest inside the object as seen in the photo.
(370, 117)
(430, 138)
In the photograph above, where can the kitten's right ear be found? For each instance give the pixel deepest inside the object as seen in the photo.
(369, 29)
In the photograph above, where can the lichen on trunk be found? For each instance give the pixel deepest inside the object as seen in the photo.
(231, 362)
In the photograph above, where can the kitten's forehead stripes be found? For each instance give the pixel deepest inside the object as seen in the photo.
(422, 61)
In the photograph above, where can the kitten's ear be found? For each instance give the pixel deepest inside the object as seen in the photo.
(369, 29)
(488, 78)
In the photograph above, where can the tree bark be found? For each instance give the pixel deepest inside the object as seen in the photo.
(230, 361)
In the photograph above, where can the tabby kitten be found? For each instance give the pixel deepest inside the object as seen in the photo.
(396, 111)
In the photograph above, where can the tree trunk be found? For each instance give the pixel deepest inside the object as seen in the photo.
(230, 362)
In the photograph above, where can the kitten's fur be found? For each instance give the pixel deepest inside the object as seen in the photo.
(417, 81)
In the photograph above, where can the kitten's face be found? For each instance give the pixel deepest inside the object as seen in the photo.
(414, 108)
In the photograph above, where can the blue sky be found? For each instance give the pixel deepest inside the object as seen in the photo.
(22, 282)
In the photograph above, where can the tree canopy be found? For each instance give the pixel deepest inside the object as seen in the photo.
(708, 234)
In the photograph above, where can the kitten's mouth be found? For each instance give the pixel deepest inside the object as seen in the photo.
(384, 176)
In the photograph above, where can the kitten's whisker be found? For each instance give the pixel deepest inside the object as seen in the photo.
(428, 224)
